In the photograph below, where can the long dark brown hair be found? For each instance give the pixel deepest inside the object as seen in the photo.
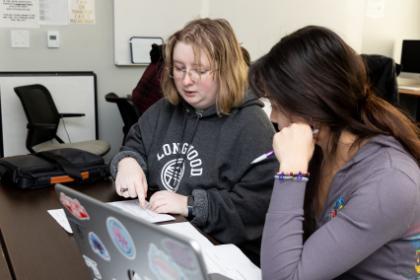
(313, 74)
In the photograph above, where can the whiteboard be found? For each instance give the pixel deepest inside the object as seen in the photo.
(140, 48)
(145, 18)
(72, 92)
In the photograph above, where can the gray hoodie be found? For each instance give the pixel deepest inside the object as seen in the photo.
(369, 228)
(208, 156)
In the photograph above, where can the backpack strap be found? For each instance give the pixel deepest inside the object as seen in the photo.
(68, 167)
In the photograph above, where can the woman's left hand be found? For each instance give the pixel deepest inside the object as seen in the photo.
(168, 202)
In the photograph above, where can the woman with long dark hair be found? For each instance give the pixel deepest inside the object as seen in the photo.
(346, 200)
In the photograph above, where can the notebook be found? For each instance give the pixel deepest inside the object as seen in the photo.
(117, 245)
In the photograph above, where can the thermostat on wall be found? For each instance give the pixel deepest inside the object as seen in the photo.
(53, 39)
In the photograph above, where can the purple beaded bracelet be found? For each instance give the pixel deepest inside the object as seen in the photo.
(299, 177)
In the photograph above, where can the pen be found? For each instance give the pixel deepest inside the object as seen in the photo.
(263, 157)
(271, 153)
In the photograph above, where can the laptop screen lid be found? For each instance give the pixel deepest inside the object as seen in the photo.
(118, 245)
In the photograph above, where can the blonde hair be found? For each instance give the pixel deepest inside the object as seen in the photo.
(216, 39)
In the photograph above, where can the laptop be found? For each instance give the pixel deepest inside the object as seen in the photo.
(117, 245)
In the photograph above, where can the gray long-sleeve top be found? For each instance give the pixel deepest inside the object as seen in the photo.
(369, 228)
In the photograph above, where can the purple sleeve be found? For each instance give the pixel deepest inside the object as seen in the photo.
(377, 212)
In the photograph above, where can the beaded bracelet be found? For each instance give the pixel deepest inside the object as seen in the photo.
(299, 177)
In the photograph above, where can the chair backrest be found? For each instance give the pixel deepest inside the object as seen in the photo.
(148, 90)
(127, 110)
(41, 112)
(382, 72)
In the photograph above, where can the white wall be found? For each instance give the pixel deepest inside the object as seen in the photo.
(401, 21)
(258, 24)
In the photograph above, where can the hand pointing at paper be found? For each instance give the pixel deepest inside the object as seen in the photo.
(131, 180)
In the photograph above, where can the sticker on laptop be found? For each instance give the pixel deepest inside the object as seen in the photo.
(162, 265)
(98, 246)
(74, 207)
(121, 238)
(132, 275)
(93, 266)
(181, 254)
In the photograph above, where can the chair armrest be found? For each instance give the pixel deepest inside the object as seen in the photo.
(71, 115)
(112, 97)
(46, 126)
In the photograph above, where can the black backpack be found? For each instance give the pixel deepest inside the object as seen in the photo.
(43, 169)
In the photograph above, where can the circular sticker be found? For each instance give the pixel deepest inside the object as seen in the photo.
(121, 238)
(98, 246)
(181, 254)
(162, 266)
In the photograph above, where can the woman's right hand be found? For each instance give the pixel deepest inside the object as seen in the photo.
(294, 146)
(131, 180)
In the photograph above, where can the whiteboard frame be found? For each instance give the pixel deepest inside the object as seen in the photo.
(140, 47)
(78, 127)
(144, 18)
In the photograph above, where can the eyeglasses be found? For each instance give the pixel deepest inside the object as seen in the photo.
(195, 74)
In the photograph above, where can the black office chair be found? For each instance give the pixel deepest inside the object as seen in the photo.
(43, 120)
(382, 72)
(128, 111)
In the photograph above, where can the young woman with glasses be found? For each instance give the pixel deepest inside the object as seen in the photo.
(195, 146)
